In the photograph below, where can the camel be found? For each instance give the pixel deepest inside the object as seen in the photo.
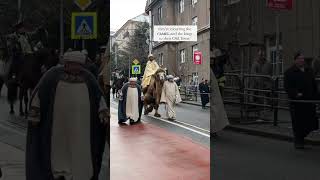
(152, 93)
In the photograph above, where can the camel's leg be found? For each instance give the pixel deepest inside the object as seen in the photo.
(156, 105)
(1, 84)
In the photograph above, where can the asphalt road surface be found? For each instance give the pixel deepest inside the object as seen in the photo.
(192, 122)
(237, 156)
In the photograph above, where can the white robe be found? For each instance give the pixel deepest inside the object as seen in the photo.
(71, 147)
(132, 104)
(219, 119)
(171, 96)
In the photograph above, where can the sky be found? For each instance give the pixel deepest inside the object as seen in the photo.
(123, 10)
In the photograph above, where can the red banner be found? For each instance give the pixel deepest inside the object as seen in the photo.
(197, 58)
(280, 4)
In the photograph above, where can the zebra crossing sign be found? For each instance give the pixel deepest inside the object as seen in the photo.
(136, 69)
(84, 25)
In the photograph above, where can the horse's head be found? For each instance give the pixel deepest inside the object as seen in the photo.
(160, 75)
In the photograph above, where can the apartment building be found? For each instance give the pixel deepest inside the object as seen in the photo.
(177, 57)
(241, 26)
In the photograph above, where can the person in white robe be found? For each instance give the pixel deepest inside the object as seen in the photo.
(219, 119)
(130, 103)
(170, 96)
(70, 114)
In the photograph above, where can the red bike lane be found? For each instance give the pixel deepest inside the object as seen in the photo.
(147, 152)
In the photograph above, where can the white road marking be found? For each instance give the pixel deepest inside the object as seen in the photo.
(173, 123)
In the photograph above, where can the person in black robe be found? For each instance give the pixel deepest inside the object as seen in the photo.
(300, 84)
(204, 93)
(135, 113)
(83, 132)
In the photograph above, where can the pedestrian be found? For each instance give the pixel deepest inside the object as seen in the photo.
(218, 115)
(170, 96)
(204, 93)
(68, 126)
(151, 68)
(261, 67)
(130, 103)
(300, 84)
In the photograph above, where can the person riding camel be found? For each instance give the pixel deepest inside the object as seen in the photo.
(22, 36)
(151, 69)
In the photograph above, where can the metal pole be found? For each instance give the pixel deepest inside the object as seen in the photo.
(61, 30)
(116, 55)
(151, 38)
(83, 44)
(277, 42)
(129, 67)
(19, 10)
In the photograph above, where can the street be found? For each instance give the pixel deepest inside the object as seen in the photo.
(245, 157)
(173, 150)
(12, 144)
(192, 121)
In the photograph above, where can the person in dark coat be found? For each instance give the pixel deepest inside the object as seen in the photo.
(204, 93)
(67, 126)
(300, 84)
(130, 103)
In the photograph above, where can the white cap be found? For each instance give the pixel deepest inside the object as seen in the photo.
(74, 56)
(150, 55)
(133, 79)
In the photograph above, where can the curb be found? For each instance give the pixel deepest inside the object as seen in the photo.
(276, 136)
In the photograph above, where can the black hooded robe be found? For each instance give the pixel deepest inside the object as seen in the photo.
(122, 116)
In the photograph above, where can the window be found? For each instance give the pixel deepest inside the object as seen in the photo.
(181, 6)
(195, 78)
(159, 13)
(195, 21)
(161, 59)
(194, 48)
(182, 56)
(194, 2)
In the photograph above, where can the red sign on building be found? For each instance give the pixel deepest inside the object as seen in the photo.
(280, 4)
(197, 57)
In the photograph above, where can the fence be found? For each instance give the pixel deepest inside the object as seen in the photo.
(191, 93)
(255, 93)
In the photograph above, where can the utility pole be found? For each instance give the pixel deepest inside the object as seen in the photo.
(277, 43)
(61, 30)
(151, 38)
(19, 11)
(116, 55)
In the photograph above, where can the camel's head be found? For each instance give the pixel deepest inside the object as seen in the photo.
(161, 75)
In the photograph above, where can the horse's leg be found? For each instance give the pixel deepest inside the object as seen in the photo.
(21, 93)
(1, 84)
(26, 100)
(11, 108)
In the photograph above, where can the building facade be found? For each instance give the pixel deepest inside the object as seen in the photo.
(242, 26)
(177, 57)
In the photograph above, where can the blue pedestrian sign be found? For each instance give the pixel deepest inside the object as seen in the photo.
(84, 25)
(136, 69)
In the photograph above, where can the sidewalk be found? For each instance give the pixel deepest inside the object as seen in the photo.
(11, 163)
(144, 151)
(265, 127)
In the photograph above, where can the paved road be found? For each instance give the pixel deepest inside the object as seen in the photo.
(192, 122)
(244, 157)
(13, 139)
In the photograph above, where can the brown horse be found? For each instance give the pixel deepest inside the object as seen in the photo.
(152, 93)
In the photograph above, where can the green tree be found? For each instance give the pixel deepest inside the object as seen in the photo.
(137, 48)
